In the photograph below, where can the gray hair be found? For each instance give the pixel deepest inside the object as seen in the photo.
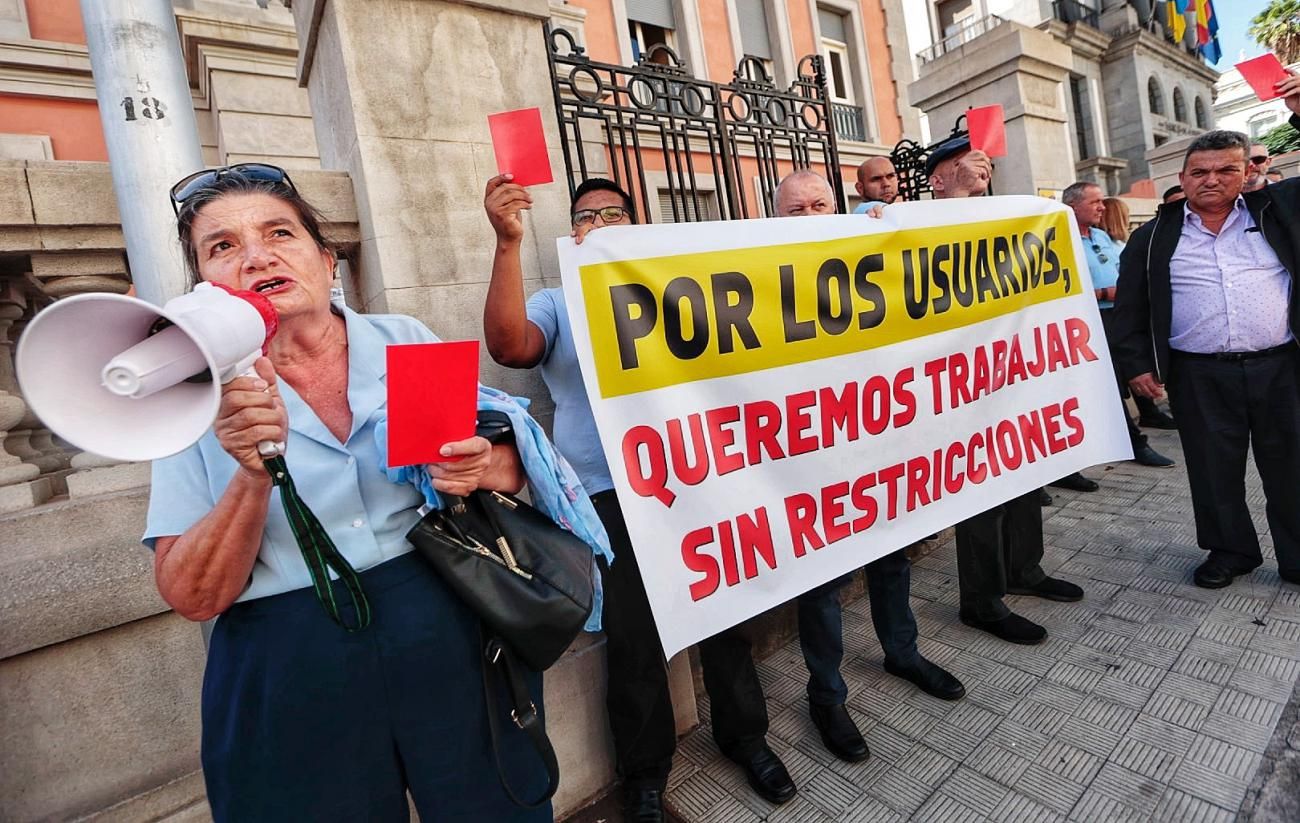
(801, 174)
(1077, 191)
(1218, 140)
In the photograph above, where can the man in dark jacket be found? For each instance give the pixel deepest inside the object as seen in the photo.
(1206, 309)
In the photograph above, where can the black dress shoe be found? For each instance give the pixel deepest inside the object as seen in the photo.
(1289, 576)
(1213, 575)
(1159, 420)
(767, 776)
(929, 678)
(1147, 456)
(1044, 499)
(839, 733)
(643, 805)
(1013, 628)
(1076, 482)
(1051, 588)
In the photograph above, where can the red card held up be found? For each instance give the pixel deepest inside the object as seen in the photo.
(520, 146)
(432, 399)
(1261, 73)
(987, 132)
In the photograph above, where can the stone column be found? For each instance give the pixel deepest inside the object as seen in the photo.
(1025, 70)
(19, 488)
(415, 140)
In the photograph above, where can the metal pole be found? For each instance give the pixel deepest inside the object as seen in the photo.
(150, 130)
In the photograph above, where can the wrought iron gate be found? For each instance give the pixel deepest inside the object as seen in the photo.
(705, 138)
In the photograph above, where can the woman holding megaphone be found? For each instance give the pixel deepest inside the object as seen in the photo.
(304, 717)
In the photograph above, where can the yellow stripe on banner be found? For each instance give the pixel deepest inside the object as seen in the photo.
(663, 321)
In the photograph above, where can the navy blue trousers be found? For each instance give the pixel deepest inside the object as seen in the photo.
(303, 721)
(821, 625)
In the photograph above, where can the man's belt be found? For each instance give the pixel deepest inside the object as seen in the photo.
(1236, 356)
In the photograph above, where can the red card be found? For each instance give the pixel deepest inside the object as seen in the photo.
(1261, 73)
(520, 146)
(987, 132)
(432, 399)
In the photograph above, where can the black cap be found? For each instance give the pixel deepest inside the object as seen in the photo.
(951, 147)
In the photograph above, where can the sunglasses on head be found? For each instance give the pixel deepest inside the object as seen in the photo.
(188, 186)
(1260, 159)
(608, 214)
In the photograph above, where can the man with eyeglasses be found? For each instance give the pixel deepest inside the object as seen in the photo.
(1088, 202)
(535, 332)
(1257, 170)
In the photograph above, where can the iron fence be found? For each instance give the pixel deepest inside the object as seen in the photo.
(689, 144)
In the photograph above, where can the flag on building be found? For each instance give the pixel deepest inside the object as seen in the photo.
(1176, 14)
(1207, 31)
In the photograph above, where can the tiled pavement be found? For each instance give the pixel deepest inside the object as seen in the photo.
(1151, 700)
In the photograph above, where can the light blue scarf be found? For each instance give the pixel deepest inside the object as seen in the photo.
(555, 488)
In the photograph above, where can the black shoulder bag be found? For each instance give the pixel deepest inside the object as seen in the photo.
(529, 581)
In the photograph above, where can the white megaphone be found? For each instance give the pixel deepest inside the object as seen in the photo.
(120, 377)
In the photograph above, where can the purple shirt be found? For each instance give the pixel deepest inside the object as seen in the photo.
(1230, 292)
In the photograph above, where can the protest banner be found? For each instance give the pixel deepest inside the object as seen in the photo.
(782, 401)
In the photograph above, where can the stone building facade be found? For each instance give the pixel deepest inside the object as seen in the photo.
(1088, 87)
(99, 680)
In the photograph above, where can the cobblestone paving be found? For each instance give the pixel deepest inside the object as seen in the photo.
(1151, 700)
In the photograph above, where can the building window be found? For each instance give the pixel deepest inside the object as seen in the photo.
(1155, 96)
(954, 15)
(1082, 115)
(755, 40)
(1261, 124)
(836, 51)
(682, 207)
(650, 23)
(847, 115)
(1201, 121)
(1180, 106)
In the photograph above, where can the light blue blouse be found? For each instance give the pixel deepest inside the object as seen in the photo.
(345, 484)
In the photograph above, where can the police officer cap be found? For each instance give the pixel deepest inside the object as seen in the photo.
(951, 147)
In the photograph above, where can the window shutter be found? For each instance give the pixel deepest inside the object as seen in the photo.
(832, 24)
(655, 12)
(754, 38)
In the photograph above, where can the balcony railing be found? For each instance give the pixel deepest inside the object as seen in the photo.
(848, 122)
(959, 38)
(1072, 11)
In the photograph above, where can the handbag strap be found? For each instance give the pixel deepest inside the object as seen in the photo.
(318, 550)
(497, 656)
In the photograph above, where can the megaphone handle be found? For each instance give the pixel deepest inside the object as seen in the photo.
(266, 448)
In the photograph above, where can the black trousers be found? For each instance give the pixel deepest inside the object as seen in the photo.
(821, 625)
(638, 701)
(1223, 408)
(1135, 436)
(999, 548)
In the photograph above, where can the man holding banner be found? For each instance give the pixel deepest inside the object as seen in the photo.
(523, 334)
(999, 551)
(821, 626)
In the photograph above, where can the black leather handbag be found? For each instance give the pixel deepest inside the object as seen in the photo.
(531, 583)
(529, 580)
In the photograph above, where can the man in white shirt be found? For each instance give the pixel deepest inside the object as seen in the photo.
(1206, 309)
